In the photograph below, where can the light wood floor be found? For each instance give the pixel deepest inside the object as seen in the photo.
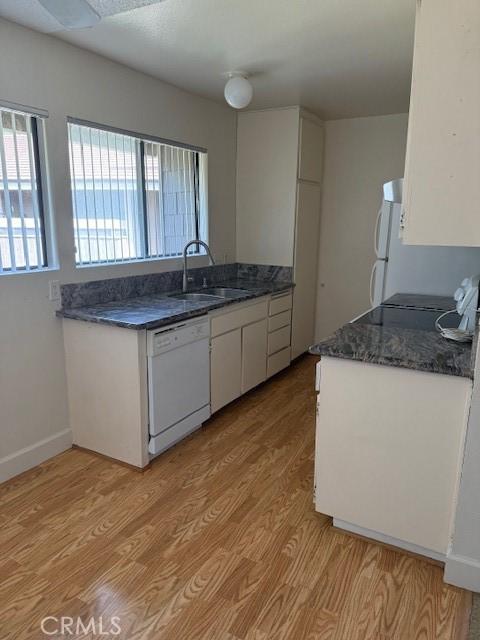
(218, 541)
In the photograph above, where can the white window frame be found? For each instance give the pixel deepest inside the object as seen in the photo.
(203, 213)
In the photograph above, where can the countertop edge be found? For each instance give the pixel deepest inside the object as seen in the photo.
(392, 362)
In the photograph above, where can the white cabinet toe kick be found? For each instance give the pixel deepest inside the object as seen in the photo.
(388, 540)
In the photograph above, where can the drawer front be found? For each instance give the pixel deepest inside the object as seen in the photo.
(278, 340)
(238, 318)
(279, 321)
(280, 304)
(278, 361)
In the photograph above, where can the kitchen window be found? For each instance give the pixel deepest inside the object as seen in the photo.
(134, 198)
(23, 238)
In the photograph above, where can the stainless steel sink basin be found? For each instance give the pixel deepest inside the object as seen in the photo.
(197, 297)
(226, 292)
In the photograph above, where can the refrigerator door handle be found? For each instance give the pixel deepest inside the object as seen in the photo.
(376, 238)
(372, 282)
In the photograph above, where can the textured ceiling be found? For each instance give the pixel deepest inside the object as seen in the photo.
(340, 58)
(111, 7)
(31, 13)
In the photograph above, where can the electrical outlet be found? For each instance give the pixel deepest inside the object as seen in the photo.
(54, 290)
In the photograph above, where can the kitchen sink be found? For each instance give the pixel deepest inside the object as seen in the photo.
(197, 297)
(226, 292)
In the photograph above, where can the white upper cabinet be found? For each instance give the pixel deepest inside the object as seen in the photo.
(267, 143)
(310, 156)
(442, 174)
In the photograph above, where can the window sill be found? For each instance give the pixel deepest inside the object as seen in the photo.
(30, 272)
(93, 265)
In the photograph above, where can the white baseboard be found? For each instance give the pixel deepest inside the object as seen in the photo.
(394, 542)
(462, 572)
(37, 453)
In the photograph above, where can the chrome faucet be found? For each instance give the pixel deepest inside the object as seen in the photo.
(185, 249)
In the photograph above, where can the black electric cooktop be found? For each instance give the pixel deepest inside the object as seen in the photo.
(407, 318)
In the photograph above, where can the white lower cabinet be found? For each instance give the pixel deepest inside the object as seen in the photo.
(108, 390)
(244, 349)
(389, 446)
(225, 369)
(254, 354)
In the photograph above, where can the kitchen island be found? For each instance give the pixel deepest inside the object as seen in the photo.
(393, 406)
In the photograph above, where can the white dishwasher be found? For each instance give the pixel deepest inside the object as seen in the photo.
(178, 381)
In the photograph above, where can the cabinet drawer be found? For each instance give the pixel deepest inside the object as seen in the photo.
(280, 320)
(278, 361)
(278, 340)
(282, 303)
(238, 318)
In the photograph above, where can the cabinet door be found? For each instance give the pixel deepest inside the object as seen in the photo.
(267, 156)
(310, 160)
(442, 186)
(390, 462)
(305, 269)
(254, 354)
(225, 369)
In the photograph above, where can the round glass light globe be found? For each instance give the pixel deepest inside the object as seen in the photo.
(238, 92)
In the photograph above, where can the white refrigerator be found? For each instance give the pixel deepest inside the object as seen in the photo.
(401, 268)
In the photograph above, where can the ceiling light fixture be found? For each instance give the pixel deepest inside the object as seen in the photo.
(238, 90)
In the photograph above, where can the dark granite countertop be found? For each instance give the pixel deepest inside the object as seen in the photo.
(400, 337)
(157, 310)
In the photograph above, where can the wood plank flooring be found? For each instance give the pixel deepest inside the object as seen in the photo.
(218, 540)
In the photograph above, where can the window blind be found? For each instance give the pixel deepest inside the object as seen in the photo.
(22, 233)
(133, 199)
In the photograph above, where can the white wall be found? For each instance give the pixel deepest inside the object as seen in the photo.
(42, 71)
(360, 155)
